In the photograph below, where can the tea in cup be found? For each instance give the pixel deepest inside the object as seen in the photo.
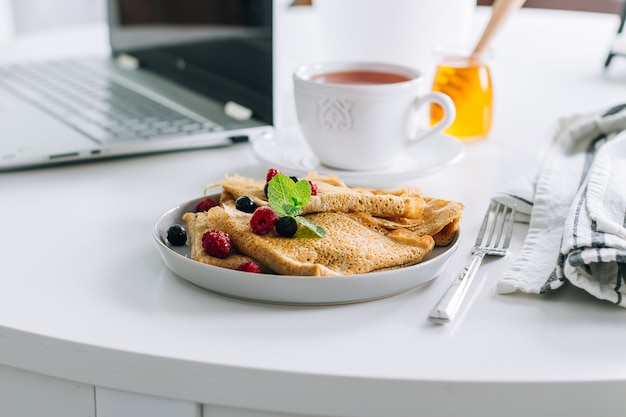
(364, 116)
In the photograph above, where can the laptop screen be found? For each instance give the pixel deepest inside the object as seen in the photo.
(218, 48)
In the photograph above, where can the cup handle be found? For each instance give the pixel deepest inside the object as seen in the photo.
(449, 113)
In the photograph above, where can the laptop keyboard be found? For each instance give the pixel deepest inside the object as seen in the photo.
(94, 103)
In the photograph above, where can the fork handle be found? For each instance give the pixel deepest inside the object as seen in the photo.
(449, 304)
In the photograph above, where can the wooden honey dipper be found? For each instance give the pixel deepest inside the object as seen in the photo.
(501, 10)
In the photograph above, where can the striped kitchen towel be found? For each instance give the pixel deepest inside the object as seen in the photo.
(576, 210)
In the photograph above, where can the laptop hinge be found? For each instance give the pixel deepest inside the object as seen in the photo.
(237, 111)
(127, 62)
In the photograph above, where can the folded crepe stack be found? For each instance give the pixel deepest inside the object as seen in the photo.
(366, 230)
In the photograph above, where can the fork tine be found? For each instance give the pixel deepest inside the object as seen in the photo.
(495, 226)
(499, 223)
(483, 226)
(509, 233)
(503, 230)
(496, 229)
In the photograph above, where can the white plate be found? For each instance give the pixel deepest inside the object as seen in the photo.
(286, 289)
(287, 151)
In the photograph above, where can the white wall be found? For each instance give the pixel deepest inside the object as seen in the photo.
(6, 20)
(34, 15)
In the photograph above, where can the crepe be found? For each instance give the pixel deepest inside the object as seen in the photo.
(197, 225)
(349, 247)
(334, 196)
(440, 219)
(366, 229)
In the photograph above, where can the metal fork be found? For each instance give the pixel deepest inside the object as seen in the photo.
(494, 238)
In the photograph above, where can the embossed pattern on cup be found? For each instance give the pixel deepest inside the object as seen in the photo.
(334, 113)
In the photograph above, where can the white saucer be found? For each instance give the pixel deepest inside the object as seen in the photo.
(288, 152)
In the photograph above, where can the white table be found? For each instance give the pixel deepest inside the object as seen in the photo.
(91, 320)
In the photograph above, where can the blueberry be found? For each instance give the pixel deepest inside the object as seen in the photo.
(177, 235)
(286, 226)
(294, 179)
(245, 204)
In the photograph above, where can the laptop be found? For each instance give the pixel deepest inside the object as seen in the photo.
(182, 74)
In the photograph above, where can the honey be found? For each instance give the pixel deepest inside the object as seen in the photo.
(468, 83)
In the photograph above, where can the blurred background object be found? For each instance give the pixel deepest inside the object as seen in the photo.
(618, 47)
(601, 6)
(404, 32)
(25, 16)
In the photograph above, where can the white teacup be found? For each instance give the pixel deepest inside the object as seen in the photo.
(363, 116)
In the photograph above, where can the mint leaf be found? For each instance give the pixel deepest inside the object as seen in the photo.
(317, 230)
(278, 192)
(287, 198)
(302, 193)
(289, 210)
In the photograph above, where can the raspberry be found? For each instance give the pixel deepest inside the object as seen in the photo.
(216, 243)
(271, 173)
(263, 220)
(249, 266)
(206, 204)
(313, 187)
